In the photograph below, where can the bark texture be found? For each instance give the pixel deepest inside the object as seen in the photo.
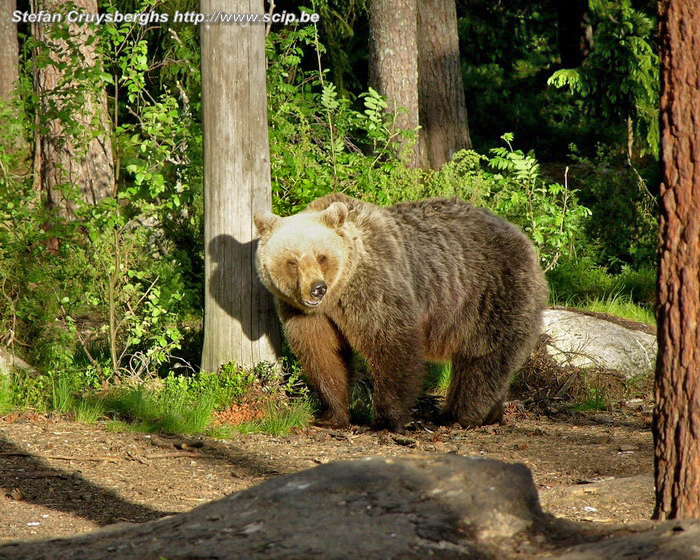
(240, 323)
(9, 50)
(71, 168)
(677, 390)
(443, 112)
(393, 62)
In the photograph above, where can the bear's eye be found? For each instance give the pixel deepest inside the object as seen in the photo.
(292, 263)
(321, 259)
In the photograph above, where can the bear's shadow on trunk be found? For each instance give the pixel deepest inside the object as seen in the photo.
(235, 286)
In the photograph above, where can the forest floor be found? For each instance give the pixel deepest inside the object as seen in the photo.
(59, 477)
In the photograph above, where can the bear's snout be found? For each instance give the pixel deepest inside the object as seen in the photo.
(318, 289)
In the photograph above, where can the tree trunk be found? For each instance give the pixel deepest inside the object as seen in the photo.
(393, 63)
(575, 32)
(443, 112)
(71, 168)
(677, 388)
(9, 50)
(240, 323)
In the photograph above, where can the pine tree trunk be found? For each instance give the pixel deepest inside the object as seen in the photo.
(393, 63)
(9, 50)
(68, 161)
(443, 112)
(677, 388)
(240, 323)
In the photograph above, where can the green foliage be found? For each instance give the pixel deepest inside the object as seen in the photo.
(639, 284)
(630, 294)
(186, 404)
(280, 418)
(620, 77)
(438, 377)
(579, 280)
(341, 30)
(319, 142)
(62, 388)
(623, 224)
(595, 400)
(462, 176)
(622, 306)
(509, 183)
(548, 212)
(6, 396)
(162, 411)
(89, 411)
(176, 404)
(223, 388)
(507, 51)
(106, 291)
(361, 402)
(22, 390)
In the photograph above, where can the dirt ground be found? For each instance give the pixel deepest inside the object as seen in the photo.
(60, 477)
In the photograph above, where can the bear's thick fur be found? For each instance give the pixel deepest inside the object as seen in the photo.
(436, 280)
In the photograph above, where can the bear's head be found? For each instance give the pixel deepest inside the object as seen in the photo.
(302, 258)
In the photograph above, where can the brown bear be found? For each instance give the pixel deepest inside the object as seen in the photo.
(437, 280)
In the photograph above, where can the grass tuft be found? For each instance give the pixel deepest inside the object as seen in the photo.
(621, 306)
(438, 377)
(6, 404)
(149, 410)
(594, 400)
(62, 389)
(89, 411)
(280, 418)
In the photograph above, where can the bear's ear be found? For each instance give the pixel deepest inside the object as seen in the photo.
(266, 222)
(334, 216)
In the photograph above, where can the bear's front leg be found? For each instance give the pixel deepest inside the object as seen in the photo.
(323, 352)
(396, 364)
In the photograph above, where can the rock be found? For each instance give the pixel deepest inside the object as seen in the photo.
(581, 340)
(650, 541)
(8, 361)
(602, 418)
(445, 507)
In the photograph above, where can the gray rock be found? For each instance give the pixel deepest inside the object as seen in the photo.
(584, 341)
(446, 507)
(8, 361)
(442, 507)
(5, 363)
(661, 541)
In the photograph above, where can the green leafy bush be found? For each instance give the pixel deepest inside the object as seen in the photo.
(619, 79)
(576, 281)
(320, 142)
(622, 229)
(548, 212)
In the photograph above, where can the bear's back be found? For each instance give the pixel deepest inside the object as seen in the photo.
(453, 225)
(442, 235)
